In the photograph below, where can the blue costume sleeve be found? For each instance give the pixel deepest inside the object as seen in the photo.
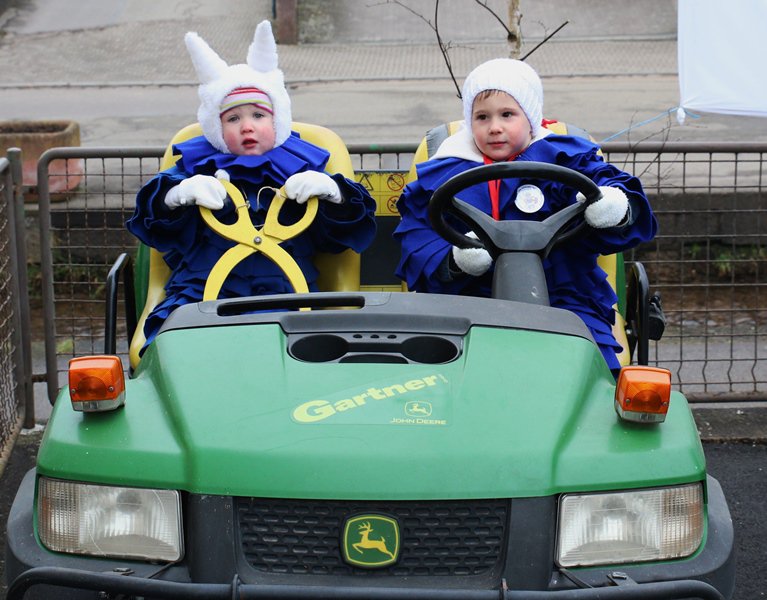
(582, 155)
(350, 224)
(422, 250)
(155, 224)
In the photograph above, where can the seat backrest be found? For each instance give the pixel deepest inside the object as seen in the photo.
(612, 264)
(337, 272)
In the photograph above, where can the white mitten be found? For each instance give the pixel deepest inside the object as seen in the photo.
(302, 186)
(472, 261)
(610, 210)
(222, 175)
(203, 190)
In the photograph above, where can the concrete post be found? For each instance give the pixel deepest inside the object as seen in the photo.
(287, 21)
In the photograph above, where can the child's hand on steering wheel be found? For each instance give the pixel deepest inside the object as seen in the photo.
(611, 210)
(472, 261)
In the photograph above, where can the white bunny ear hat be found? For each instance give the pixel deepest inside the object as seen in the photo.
(217, 80)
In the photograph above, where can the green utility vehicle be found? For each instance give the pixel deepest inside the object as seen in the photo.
(378, 445)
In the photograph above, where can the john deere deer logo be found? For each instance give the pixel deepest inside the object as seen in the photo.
(371, 541)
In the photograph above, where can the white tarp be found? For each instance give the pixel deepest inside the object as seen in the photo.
(722, 53)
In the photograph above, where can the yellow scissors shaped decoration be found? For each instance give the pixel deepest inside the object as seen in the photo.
(250, 239)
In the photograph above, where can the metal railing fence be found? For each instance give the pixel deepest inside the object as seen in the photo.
(82, 232)
(16, 408)
(708, 262)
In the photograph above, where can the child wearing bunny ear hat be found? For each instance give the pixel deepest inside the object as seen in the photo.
(503, 121)
(245, 117)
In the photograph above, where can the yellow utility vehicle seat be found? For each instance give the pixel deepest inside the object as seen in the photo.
(612, 264)
(338, 272)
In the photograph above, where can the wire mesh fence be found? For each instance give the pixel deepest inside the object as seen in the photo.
(707, 263)
(82, 232)
(11, 358)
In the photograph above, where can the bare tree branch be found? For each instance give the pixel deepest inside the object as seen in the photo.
(512, 35)
(544, 40)
(483, 4)
(666, 133)
(407, 8)
(443, 47)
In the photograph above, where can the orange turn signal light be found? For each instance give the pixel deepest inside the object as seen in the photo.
(642, 394)
(96, 383)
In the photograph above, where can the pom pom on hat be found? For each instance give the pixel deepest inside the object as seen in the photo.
(516, 78)
(218, 80)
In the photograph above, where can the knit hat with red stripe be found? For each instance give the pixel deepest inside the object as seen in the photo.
(250, 95)
(258, 81)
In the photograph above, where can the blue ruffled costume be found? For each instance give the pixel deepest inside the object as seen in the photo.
(191, 249)
(574, 279)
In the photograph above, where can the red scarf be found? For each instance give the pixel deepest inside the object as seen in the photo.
(494, 187)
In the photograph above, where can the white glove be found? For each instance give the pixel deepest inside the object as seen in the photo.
(302, 186)
(203, 190)
(472, 261)
(610, 210)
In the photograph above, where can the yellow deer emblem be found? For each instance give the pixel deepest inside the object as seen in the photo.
(366, 543)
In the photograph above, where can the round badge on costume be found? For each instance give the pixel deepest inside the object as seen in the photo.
(529, 199)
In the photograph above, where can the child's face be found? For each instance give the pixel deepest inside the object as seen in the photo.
(499, 125)
(248, 129)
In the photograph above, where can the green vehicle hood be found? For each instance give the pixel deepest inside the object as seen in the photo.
(227, 411)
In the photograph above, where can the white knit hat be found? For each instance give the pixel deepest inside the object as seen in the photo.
(217, 80)
(516, 78)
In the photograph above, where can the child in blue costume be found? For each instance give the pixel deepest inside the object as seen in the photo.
(245, 117)
(503, 109)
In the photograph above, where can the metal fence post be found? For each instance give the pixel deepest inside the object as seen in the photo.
(20, 288)
(46, 266)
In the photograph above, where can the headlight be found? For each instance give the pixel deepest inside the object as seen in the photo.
(100, 520)
(633, 526)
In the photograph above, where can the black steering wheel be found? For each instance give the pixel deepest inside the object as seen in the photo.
(517, 246)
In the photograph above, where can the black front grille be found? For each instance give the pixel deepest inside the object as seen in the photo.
(440, 538)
